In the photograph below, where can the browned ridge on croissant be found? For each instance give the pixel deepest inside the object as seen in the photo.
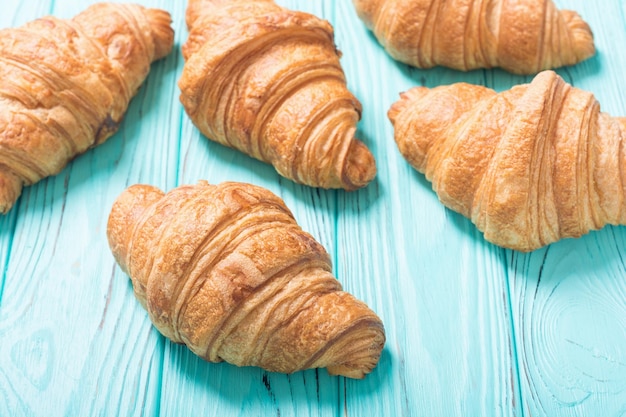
(520, 36)
(66, 84)
(268, 81)
(226, 270)
(528, 166)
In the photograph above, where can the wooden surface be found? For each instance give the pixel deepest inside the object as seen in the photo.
(472, 329)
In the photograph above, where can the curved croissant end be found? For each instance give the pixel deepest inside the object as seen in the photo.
(226, 270)
(522, 36)
(528, 166)
(66, 84)
(267, 81)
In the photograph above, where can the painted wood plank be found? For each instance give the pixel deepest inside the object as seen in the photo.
(472, 329)
(433, 309)
(74, 343)
(14, 376)
(569, 314)
(146, 151)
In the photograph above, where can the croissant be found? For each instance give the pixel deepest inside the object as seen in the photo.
(267, 81)
(529, 166)
(226, 270)
(66, 84)
(520, 36)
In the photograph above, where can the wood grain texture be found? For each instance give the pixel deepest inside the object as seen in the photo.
(472, 329)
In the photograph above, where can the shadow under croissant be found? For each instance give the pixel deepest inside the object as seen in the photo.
(251, 170)
(565, 245)
(239, 384)
(221, 163)
(333, 202)
(558, 249)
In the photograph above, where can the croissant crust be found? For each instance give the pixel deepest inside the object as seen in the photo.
(226, 270)
(66, 84)
(529, 166)
(520, 36)
(267, 81)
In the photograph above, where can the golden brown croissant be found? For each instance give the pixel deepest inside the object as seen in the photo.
(521, 36)
(528, 166)
(226, 270)
(267, 81)
(66, 84)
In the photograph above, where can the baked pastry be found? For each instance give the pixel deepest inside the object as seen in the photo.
(226, 270)
(66, 84)
(267, 81)
(529, 166)
(520, 36)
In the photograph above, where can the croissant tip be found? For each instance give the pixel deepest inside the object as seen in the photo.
(363, 359)
(403, 102)
(581, 35)
(162, 32)
(341, 370)
(360, 166)
(127, 208)
(396, 108)
(10, 190)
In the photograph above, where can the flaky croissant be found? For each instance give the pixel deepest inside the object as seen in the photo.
(520, 36)
(528, 166)
(66, 84)
(267, 81)
(226, 270)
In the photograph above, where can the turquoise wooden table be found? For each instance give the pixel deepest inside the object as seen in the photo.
(472, 329)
